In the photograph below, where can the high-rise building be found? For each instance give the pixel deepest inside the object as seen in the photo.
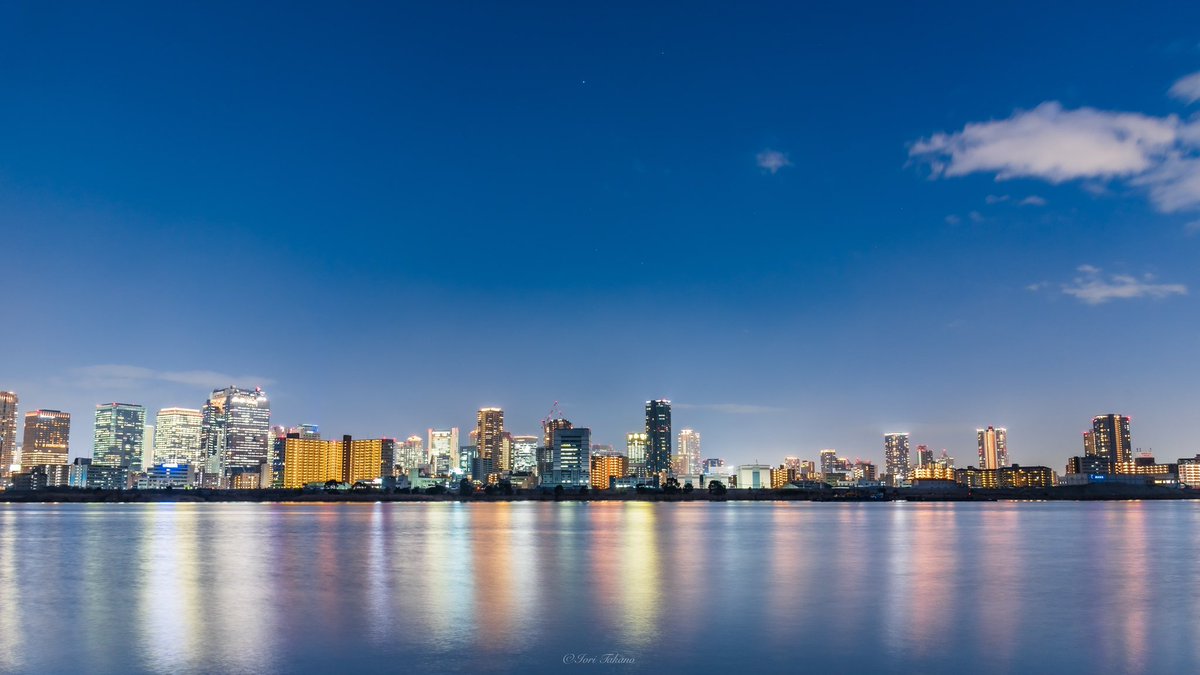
(410, 454)
(8, 433)
(829, 462)
(658, 436)
(993, 447)
(572, 450)
(896, 458)
(687, 459)
(524, 454)
(505, 463)
(310, 460)
(636, 444)
(545, 454)
(443, 443)
(1089, 444)
(361, 459)
(605, 467)
(148, 447)
(489, 439)
(235, 430)
(47, 438)
(1110, 437)
(387, 455)
(119, 435)
(924, 455)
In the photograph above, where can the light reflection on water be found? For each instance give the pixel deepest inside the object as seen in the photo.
(1005, 587)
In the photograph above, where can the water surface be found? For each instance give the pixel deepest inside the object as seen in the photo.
(799, 587)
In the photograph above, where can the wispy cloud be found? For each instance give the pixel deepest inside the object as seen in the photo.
(953, 219)
(1032, 200)
(118, 376)
(1192, 228)
(772, 160)
(1160, 155)
(1093, 288)
(730, 408)
(1187, 88)
(996, 199)
(1037, 286)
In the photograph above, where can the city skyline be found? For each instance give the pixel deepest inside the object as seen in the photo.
(781, 235)
(180, 433)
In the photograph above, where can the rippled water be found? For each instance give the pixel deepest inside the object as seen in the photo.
(798, 587)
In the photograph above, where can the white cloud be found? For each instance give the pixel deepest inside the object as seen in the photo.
(1187, 88)
(953, 219)
(1160, 155)
(730, 408)
(1035, 287)
(975, 216)
(1192, 228)
(772, 160)
(1032, 200)
(118, 376)
(1092, 288)
(995, 199)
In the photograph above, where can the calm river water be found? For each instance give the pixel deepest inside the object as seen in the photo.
(542, 587)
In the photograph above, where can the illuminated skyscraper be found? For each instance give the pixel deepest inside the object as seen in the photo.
(545, 457)
(489, 437)
(524, 454)
(1089, 443)
(636, 444)
(443, 443)
(658, 436)
(47, 438)
(411, 454)
(993, 447)
(1111, 438)
(235, 430)
(119, 435)
(896, 458)
(687, 459)
(361, 459)
(8, 432)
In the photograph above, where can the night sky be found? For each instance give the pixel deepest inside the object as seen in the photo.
(804, 226)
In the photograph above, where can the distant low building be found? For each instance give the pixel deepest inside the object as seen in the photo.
(163, 476)
(753, 476)
(1189, 471)
(1006, 477)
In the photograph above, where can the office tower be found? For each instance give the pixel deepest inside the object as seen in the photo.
(545, 454)
(924, 455)
(442, 443)
(829, 462)
(658, 436)
(466, 458)
(636, 444)
(945, 460)
(8, 433)
(572, 450)
(792, 463)
(119, 435)
(235, 430)
(1089, 444)
(177, 436)
(47, 438)
(524, 454)
(489, 437)
(687, 459)
(896, 458)
(993, 447)
(605, 467)
(1111, 437)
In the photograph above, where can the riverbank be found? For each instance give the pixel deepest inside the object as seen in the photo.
(1091, 492)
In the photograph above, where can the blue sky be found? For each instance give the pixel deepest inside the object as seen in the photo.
(805, 226)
